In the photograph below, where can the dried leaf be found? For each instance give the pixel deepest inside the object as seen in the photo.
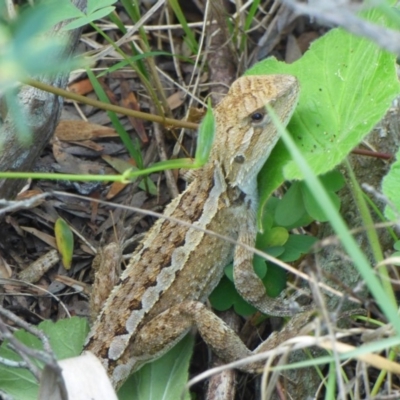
(89, 144)
(29, 194)
(82, 130)
(115, 189)
(176, 100)
(196, 114)
(73, 165)
(50, 240)
(5, 269)
(129, 100)
(81, 87)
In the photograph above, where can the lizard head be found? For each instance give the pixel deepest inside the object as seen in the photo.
(245, 134)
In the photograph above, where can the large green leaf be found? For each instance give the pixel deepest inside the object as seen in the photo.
(347, 85)
(390, 188)
(164, 378)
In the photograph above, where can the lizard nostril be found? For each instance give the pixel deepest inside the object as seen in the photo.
(239, 159)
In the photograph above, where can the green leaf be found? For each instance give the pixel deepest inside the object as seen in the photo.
(274, 280)
(291, 207)
(396, 246)
(243, 308)
(101, 13)
(268, 214)
(347, 85)
(229, 272)
(260, 266)
(96, 9)
(27, 50)
(225, 296)
(385, 298)
(313, 206)
(77, 23)
(333, 180)
(189, 38)
(65, 242)
(275, 251)
(94, 5)
(274, 237)
(390, 188)
(164, 378)
(296, 246)
(61, 11)
(66, 338)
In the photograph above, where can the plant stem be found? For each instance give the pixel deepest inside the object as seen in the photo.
(110, 107)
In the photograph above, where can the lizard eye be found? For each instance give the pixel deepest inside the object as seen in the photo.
(259, 118)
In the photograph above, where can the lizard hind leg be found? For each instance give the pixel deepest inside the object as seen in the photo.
(166, 329)
(162, 332)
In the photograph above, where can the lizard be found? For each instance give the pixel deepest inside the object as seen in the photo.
(160, 295)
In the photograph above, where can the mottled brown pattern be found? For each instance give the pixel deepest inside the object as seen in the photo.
(175, 268)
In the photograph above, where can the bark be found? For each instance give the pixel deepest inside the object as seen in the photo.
(42, 110)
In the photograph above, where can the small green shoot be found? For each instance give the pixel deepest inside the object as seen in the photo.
(65, 242)
(189, 35)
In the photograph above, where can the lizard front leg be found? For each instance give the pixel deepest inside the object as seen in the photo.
(247, 283)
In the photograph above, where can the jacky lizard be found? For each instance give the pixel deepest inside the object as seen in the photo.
(160, 295)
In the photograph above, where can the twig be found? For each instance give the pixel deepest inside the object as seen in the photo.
(46, 355)
(329, 12)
